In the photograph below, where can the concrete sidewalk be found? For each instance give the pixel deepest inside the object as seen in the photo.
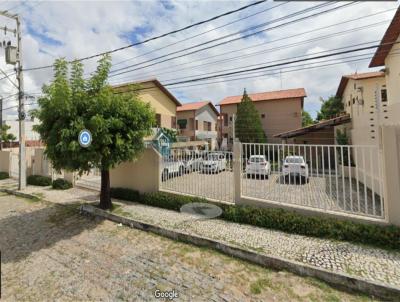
(368, 263)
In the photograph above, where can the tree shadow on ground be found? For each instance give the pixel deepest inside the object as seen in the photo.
(28, 232)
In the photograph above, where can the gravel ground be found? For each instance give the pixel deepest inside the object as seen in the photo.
(50, 252)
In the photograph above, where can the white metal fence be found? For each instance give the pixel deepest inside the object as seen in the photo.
(205, 174)
(342, 178)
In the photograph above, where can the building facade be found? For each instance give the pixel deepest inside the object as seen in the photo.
(280, 111)
(197, 122)
(161, 100)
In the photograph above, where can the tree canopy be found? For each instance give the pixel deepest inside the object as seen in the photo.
(330, 107)
(306, 119)
(117, 121)
(248, 125)
(6, 137)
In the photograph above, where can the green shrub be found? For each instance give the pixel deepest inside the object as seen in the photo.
(125, 194)
(4, 175)
(61, 184)
(39, 180)
(289, 221)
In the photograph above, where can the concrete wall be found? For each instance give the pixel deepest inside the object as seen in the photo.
(142, 175)
(5, 161)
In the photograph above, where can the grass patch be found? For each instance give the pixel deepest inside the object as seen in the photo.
(258, 286)
(4, 175)
(63, 212)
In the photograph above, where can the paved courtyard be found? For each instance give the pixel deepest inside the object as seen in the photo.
(51, 252)
(330, 193)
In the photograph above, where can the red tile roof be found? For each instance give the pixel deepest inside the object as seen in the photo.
(266, 96)
(356, 76)
(390, 36)
(196, 106)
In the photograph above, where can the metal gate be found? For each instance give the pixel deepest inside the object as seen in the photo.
(206, 174)
(341, 178)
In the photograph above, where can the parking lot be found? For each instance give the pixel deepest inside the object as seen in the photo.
(328, 192)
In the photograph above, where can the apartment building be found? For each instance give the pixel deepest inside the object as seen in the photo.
(280, 111)
(197, 122)
(161, 100)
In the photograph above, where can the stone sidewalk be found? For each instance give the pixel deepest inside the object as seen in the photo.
(354, 259)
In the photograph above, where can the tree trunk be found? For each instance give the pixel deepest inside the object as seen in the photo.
(105, 199)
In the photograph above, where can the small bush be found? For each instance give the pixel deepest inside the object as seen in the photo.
(289, 221)
(125, 194)
(39, 180)
(61, 184)
(4, 175)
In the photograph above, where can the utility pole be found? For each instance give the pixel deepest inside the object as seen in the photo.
(21, 111)
(20, 85)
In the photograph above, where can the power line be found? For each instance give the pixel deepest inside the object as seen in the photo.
(202, 33)
(229, 41)
(270, 49)
(156, 37)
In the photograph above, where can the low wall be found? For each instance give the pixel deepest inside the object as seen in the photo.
(5, 161)
(142, 174)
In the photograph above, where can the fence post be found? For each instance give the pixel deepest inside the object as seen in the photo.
(237, 171)
(391, 169)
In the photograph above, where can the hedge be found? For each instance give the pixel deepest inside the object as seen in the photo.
(39, 180)
(125, 194)
(4, 175)
(61, 184)
(387, 237)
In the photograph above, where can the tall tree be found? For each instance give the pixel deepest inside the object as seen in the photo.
(118, 122)
(6, 137)
(306, 119)
(248, 125)
(330, 107)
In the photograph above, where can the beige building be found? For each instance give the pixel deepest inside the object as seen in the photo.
(280, 111)
(161, 100)
(197, 122)
(359, 94)
(388, 56)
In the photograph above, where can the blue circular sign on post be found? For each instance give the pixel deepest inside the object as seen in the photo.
(85, 138)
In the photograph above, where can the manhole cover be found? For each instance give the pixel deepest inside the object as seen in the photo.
(202, 210)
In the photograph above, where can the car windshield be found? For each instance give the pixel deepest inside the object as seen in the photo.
(257, 159)
(294, 160)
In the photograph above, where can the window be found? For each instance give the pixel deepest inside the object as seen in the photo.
(209, 126)
(205, 125)
(197, 125)
(182, 123)
(225, 117)
(262, 115)
(158, 120)
(191, 126)
(354, 101)
(231, 118)
(383, 95)
(173, 122)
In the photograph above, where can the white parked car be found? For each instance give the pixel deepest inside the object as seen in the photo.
(171, 167)
(214, 162)
(193, 162)
(257, 165)
(295, 166)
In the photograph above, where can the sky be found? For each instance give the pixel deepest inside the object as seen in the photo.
(75, 29)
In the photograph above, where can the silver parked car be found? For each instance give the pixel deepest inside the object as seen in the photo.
(214, 162)
(171, 167)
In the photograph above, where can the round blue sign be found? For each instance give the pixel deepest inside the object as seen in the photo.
(85, 138)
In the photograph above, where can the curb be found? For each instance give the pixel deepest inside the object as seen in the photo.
(339, 280)
(20, 194)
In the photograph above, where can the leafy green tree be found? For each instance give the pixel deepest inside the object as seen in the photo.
(330, 107)
(248, 125)
(117, 121)
(6, 137)
(171, 133)
(306, 119)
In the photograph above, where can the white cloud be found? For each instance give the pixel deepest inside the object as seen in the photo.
(74, 29)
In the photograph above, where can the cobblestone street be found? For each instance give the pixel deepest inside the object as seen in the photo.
(50, 252)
